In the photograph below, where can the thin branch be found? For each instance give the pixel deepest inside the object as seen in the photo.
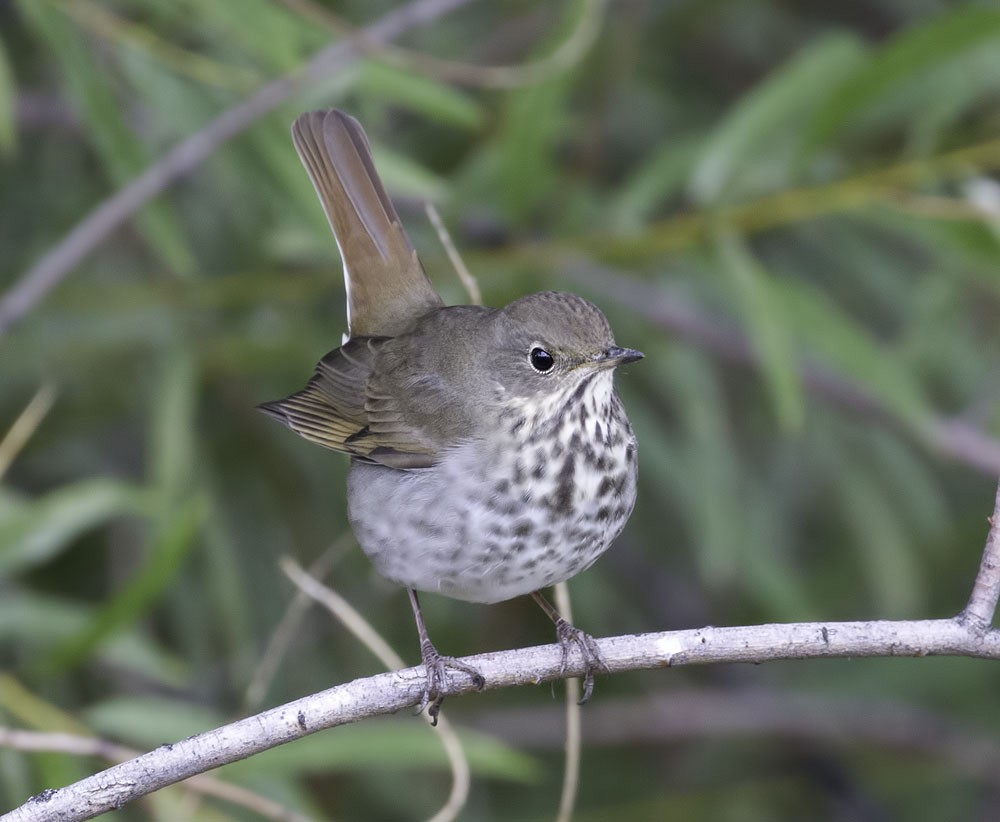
(391, 692)
(25, 425)
(986, 589)
(366, 633)
(469, 281)
(954, 438)
(75, 745)
(880, 187)
(574, 738)
(569, 52)
(287, 628)
(187, 155)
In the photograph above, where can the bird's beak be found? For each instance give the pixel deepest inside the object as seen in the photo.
(615, 356)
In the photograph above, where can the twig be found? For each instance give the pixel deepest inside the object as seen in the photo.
(285, 631)
(25, 425)
(569, 52)
(37, 741)
(986, 589)
(574, 740)
(795, 205)
(363, 630)
(956, 439)
(187, 155)
(391, 692)
(470, 283)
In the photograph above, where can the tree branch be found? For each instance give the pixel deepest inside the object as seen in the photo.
(391, 692)
(982, 604)
(187, 155)
(967, 634)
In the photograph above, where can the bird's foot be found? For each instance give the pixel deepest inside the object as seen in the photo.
(568, 636)
(436, 666)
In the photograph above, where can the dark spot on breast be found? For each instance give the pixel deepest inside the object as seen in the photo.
(562, 500)
(598, 431)
(519, 472)
(502, 487)
(523, 528)
(519, 546)
(612, 484)
(603, 513)
(518, 424)
(427, 527)
(580, 390)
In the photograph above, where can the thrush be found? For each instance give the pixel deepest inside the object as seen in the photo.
(490, 454)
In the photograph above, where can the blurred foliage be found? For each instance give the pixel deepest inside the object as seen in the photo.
(810, 183)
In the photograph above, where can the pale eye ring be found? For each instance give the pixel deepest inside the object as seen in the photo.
(540, 359)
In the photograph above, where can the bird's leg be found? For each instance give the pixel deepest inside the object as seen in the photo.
(569, 635)
(435, 664)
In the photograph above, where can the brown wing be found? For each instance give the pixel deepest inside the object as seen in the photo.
(332, 411)
(387, 288)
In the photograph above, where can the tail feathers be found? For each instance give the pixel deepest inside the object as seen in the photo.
(387, 288)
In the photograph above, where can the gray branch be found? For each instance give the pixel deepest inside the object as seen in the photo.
(392, 692)
(968, 634)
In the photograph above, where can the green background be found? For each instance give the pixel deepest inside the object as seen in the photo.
(788, 207)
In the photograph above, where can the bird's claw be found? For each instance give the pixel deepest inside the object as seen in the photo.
(436, 666)
(568, 636)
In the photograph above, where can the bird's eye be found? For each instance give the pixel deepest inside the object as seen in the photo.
(541, 360)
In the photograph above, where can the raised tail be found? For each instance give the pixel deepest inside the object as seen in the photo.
(387, 288)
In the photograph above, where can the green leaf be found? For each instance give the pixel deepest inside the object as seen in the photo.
(421, 94)
(264, 31)
(8, 104)
(403, 176)
(906, 55)
(173, 544)
(121, 153)
(847, 347)
(884, 550)
(654, 181)
(703, 470)
(533, 120)
(172, 447)
(768, 325)
(770, 116)
(149, 721)
(32, 532)
(38, 622)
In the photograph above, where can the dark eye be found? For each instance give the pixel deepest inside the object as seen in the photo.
(541, 360)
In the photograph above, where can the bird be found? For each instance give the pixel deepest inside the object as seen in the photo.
(490, 454)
